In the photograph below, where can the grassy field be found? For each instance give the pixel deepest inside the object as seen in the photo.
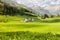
(39, 25)
(33, 27)
(13, 28)
(28, 36)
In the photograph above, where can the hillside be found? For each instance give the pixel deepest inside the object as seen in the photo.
(40, 8)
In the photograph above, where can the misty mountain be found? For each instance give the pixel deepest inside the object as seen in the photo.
(40, 7)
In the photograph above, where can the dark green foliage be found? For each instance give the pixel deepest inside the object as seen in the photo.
(52, 16)
(45, 16)
(10, 10)
(51, 21)
(1, 7)
(6, 9)
(28, 36)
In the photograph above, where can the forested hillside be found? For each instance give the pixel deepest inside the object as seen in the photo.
(6, 9)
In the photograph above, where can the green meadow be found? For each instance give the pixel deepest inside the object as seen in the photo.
(13, 28)
(39, 25)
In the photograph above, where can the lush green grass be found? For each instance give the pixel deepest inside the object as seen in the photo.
(33, 27)
(39, 25)
(21, 35)
(11, 28)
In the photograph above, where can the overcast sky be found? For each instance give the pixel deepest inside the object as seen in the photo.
(41, 3)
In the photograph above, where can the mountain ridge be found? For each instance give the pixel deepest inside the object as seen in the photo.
(35, 5)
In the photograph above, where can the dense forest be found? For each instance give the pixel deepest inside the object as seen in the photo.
(6, 9)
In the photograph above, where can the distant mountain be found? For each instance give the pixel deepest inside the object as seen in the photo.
(34, 8)
(40, 7)
(53, 9)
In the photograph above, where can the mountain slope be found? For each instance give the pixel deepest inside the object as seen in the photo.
(40, 7)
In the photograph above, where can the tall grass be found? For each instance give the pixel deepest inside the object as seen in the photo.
(28, 36)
